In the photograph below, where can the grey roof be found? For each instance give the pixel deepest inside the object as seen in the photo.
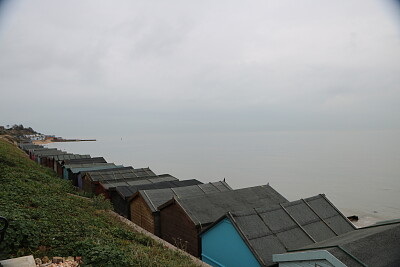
(46, 153)
(206, 209)
(156, 197)
(110, 184)
(101, 166)
(82, 165)
(125, 173)
(69, 156)
(376, 246)
(278, 228)
(154, 183)
(57, 155)
(29, 146)
(84, 160)
(37, 150)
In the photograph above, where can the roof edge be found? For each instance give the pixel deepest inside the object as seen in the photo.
(306, 256)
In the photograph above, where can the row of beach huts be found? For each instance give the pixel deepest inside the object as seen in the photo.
(254, 226)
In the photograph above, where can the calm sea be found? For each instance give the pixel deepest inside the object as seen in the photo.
(358, 171)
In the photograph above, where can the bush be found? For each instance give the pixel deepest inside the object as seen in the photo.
(101, 203)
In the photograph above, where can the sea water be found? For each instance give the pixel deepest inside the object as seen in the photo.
(359, 171)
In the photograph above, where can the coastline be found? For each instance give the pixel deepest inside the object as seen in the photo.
(48, 141)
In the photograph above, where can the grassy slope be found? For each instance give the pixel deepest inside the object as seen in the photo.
(45, 220)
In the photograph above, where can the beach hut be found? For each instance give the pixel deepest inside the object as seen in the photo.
(56, 160)
(43, 156)
(76, 172)
(376, 246)
(120, 195)
(71, 172)
(32, 152)
(60, 168)
(105, 186)
(83, 161)
(26, 146)
(251, 236)
(40, 156)
(52, 158)
(91, 180)
(182, 219)
(144, 204)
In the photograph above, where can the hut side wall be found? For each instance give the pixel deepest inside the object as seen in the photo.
(120, 205)
(99, 189)
(55, 166)
(60, 170)
(50, 163)
(222, 244)
(141, 214)
(87, 185)
(179, 230)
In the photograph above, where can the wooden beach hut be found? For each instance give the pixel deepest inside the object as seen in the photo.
(91, 180)
(27, 146)
(104, 187)
(110, 185)
(33, 152)
(71, 172)
(120, 195)
(56, 160)
(83, 161)
(251, 236)
(377, 245)
(52, 158)
(90, 160)
(182, 219)
(75, 173)
(144, 204)
(40, 156)
(43, 156)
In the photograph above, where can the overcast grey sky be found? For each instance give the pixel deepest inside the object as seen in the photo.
(70, 67)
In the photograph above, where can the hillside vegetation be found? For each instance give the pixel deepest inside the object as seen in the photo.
(16, 130)
(47, 221)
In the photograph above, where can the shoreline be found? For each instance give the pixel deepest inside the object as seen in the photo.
(48, 141)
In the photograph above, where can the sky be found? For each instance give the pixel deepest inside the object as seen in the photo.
(208, 66)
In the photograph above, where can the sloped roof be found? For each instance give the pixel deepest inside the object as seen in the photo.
(57, 155)
(81, 165)
(69, 156)
(154, 183)
(37, 150)
(101, 166)
(84, 160)
(29, 146)
(46, 153)
(376, 245)
(112, 184)
(125, 173)
(278, 228)
(156, 197)
(206, 209)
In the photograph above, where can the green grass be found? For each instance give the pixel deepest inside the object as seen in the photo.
(46, 221)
